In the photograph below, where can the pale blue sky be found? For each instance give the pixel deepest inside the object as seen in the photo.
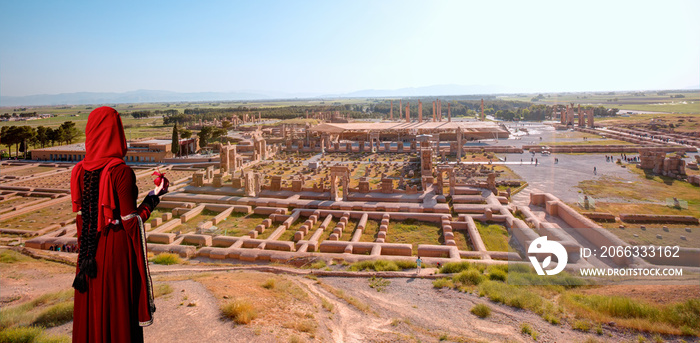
(49, 47)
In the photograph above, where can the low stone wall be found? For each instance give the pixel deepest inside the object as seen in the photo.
(658, 218)
(600, 216)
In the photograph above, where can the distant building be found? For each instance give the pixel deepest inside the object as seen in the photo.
(146, 151)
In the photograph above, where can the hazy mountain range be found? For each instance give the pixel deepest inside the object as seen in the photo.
(140, 96)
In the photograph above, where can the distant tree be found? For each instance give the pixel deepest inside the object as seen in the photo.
(226, 124)
(185, 134)
(218, 133)
(42, 135)
(70, 132)
(204, 135)
(9, 136)
(52, 135)
(175, 146)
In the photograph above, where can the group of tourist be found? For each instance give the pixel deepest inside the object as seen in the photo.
(623, 157)
(64, 247)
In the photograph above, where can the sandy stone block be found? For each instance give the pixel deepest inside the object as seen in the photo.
(341, 225)
(333, 237)
(267, 222)
(253, 234)
(385, 222)
(260, 228)
(309, 223)
(379, 240)
(167, 216)
(299, 235)
(683, 238)
(386, 216)
(383, 228)
(146, 227)
(449, 236)
(156, 222)
(381, 234)
(338, 231)
(304, 229)
(450, 243)
(343, 220)
(658, 236)
(447, 228)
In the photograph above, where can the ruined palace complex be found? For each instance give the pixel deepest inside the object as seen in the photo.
(356, 190)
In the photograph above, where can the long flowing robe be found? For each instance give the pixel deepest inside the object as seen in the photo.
(118, 301)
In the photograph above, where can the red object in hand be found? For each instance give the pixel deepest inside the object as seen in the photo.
(159, 178)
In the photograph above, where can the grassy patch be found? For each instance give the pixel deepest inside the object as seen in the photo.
(46, 309)
(55, 315)
(240, 311)
(166, 259)
(381, 265)
(415, 232)
(528, 330)
(269, 284)
(635, 314)
(481, 310)
(339, 293)
(162, 289)
(495, 236)
(11, 256)
(378, 283)
(443, 283)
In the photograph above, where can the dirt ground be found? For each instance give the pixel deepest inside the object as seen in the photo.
(296, 308)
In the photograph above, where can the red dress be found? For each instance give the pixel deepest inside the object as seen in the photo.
(117, 303)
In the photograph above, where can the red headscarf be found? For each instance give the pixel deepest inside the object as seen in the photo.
(105, 147)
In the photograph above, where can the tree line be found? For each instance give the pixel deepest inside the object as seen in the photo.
(22, 136)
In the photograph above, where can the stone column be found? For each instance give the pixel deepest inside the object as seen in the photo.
(408, 113)
(400, 109)
(391, 110)
(459, 144)
(449, 113)
(482, 110)
(420, 111)
(434, 116)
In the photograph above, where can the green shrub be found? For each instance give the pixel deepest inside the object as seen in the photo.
(481, 310)
(269, 284)
(408, 264)
(581, 325)
(468, 277)
(20, 334)
(455, 267)
(240, 311)
(378, 265)
(512, 295)
(55, 315)
(166, 259)
(443, 282)
(498, 275)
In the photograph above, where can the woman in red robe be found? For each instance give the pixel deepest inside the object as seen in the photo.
(114, 295)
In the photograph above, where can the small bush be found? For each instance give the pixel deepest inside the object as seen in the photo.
(55, 315)
(327, 305)
(162, 289)
(581, 325)
(552, 319)
(379, 265)
(240, 311)
(269, 284)
(9, 256)
(497, 275)
(455, 267)
(318, 265)
(443, 282)
(407, 264)
(20, 334)
(166, 259)
(481, 310)
(468, 277)
(378, 283)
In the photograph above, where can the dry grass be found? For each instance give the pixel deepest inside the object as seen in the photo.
(240, 311)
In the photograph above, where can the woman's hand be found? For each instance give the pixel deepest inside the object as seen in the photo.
(158, 188)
